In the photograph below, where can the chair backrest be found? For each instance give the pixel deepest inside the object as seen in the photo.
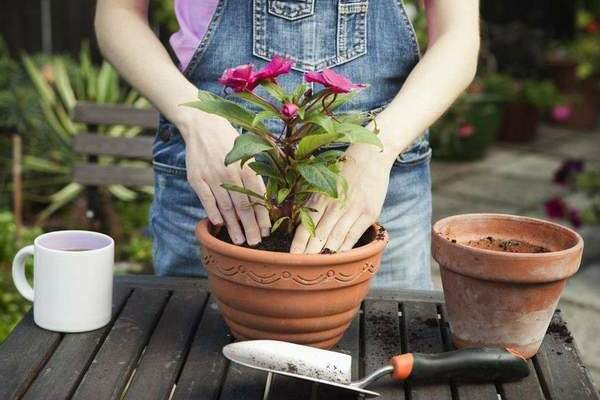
(91, 173)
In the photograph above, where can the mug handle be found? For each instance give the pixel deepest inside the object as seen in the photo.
(18, 272)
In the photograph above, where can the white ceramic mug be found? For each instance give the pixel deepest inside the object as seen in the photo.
(72, 280)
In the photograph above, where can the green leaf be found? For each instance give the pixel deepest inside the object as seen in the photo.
(63, 83)
(358, 134)
(103, 83)
(272, 188)
(298, 92)
(261, 116)
(307, 221)
(321, 120)
(122, 193)
(309, 144)
(320, 176)
(278, 223)
(45, 91)
(330, 156)
(282, 194)
(274, 90)
(252, 98)
(229, 110)
(245, 147)
(38, 164)
(266, 169)
(341, 99)
(240, 189)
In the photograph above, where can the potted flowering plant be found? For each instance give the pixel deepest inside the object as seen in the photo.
(575, 68)
(309, 299)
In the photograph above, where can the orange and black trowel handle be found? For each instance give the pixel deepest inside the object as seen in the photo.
(465, 365)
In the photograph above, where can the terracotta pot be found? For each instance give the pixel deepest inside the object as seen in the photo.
(306, 299)
(502, 299)
(520, 122)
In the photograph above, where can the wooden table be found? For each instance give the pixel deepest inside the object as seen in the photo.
(167, 334)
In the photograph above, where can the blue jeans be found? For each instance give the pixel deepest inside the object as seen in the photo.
(406, 215)
(371, 42)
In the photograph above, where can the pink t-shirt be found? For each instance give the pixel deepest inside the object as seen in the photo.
(194, 17)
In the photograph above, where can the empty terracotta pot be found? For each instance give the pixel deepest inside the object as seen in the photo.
(497, 298)
(305, 299)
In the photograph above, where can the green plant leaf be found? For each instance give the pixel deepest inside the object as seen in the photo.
(229, 110)
(298, 92)
(104, 83)
(330, 156)
(358, 134)
(122, 193)
(37, 164)
(245, 147)
(321, 120)
(263, 115)
(45, 91)
(274, 90)
(60, 199)
(309, 144)
(258, 101)
(63, 83)
(282, 194)
(321, 177)
(307, 221)
(266, 170)
(278, 223)
(240, 189)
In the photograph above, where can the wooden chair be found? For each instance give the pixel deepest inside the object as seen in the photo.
(92, 144)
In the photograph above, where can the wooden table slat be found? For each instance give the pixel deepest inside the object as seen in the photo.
(423, 335)
(559, 365)
(528, 388)
(381, 340)
(467, 391)
(23, 354)
(109, 372)
(159, 366)
(350, 344)
(72, 357)
(205, 367)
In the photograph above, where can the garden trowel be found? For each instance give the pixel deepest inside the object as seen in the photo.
(333, 368)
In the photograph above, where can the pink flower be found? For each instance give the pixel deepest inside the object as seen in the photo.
(556, 208)
(466, 130)
(277, 66)
(561, 113)
(240, 78)
(335, 82)
(289, 110)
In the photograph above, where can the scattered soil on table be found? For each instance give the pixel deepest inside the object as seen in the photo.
(431, 322)
(508, 246)
(559, 328)
(281, 242)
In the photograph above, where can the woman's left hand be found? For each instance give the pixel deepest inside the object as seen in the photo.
(341, 222)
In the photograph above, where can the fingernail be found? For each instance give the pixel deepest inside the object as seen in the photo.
(264, 232)
(238, 240)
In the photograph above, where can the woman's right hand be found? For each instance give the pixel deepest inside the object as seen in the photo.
(208, 139)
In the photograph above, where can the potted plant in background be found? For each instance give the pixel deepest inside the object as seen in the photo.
(470, 126)
(526, 101)
(308, 299)
(575, 68)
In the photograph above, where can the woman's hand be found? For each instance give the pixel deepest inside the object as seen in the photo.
(339, 223)
(208, 139)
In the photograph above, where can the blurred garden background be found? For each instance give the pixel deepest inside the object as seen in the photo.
(524, 138)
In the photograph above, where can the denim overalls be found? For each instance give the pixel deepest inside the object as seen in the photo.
(369, 41)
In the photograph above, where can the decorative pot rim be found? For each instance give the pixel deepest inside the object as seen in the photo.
(577, 247)
(279, 258)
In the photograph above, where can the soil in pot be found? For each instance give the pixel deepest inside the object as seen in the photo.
(506, 245)
(281, 242)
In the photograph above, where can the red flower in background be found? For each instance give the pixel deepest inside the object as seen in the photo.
(556, 208)
(289, 110)
(466, 130)
(277, 66)
(331, 80)
(592, 27)
(240, 78)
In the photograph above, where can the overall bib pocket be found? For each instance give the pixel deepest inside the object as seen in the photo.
(315, 35)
